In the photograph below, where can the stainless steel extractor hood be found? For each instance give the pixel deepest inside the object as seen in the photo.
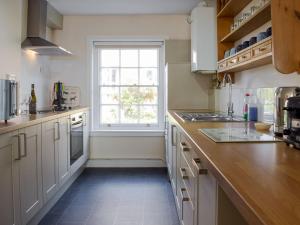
(36, 31)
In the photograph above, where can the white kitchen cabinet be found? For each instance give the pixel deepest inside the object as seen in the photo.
(204, 38)
(30, 172)
(63, 145)
(207, 199)
(50, 135)
(9, 180)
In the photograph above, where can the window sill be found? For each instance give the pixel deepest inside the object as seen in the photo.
(127, 133)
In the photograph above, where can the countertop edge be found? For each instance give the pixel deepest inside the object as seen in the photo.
(17, 123)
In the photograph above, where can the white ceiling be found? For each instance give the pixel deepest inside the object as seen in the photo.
(104, 7)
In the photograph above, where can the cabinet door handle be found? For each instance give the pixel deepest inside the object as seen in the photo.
(19, 146)
(25, 144)
(184, 199)
(184, 147)
(172, 135)
(201, 171)
(69, 125)
(183, 174)
(58, 131)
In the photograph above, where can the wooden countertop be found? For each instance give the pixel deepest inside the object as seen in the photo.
(26, 121)
(261, 179)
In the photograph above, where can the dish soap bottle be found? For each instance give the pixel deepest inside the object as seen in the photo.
(246, 106)
(32, 101)
(253, 109)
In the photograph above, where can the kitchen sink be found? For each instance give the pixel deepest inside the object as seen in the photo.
(207, 117)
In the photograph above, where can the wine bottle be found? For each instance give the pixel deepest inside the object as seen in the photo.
(32, 102)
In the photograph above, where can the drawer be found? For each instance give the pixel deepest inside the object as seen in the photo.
(244, 56)
(189, 179)
(232, 61)
(222, 65)
(187, 150)
(262, 49)
(187, 215)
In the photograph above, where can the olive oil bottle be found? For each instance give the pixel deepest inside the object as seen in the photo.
(32, 101)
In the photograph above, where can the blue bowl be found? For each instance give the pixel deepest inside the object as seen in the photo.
(269, 32)
(252, 41)
(227, 54)
(232, 51)
(261, 36)
(246, 44)
(239, 48)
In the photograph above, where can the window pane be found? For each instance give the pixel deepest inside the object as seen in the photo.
(148, 95)
(109, 76)
(130, 95)
(129, 114)
(110, 58)
(129, 58)
(148, 76)
(109, 114)
(148, 114)
(149, 58)
(109, 95)
(129, 76)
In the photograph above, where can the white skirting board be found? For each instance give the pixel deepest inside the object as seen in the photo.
(125, 163)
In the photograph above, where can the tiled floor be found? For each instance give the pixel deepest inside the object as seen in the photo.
(116, 197)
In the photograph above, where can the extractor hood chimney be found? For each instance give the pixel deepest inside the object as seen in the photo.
(36, 31)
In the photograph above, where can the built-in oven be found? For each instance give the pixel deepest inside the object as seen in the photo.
(76, 137)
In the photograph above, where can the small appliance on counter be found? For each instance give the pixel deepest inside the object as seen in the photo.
(72, 96)
(58, 96)
(292, 129)
(8, 97)
(281, 96)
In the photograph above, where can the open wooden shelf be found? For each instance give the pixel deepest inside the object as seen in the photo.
(262, 16)
(233, 7)
(254, 63)
(257, 55)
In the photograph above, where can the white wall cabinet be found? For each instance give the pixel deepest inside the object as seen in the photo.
(50, 136)
(30, 172)
(9, 180)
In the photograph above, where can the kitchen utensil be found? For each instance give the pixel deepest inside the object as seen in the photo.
(262, 126)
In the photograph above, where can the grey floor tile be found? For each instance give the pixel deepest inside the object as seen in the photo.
(111, 196)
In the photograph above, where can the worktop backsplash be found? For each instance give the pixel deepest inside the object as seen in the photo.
(264, 96)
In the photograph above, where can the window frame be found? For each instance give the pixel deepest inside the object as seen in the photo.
(95, 88)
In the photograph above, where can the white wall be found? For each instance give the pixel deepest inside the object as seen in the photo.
(28, 68)
(73, 70)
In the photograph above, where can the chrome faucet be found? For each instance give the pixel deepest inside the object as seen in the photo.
(227, 79)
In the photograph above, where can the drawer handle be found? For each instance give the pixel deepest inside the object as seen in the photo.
(184, 147)
(244, 57)
(184, 199)
(183, 174)
(196, 163)
(263, 49)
